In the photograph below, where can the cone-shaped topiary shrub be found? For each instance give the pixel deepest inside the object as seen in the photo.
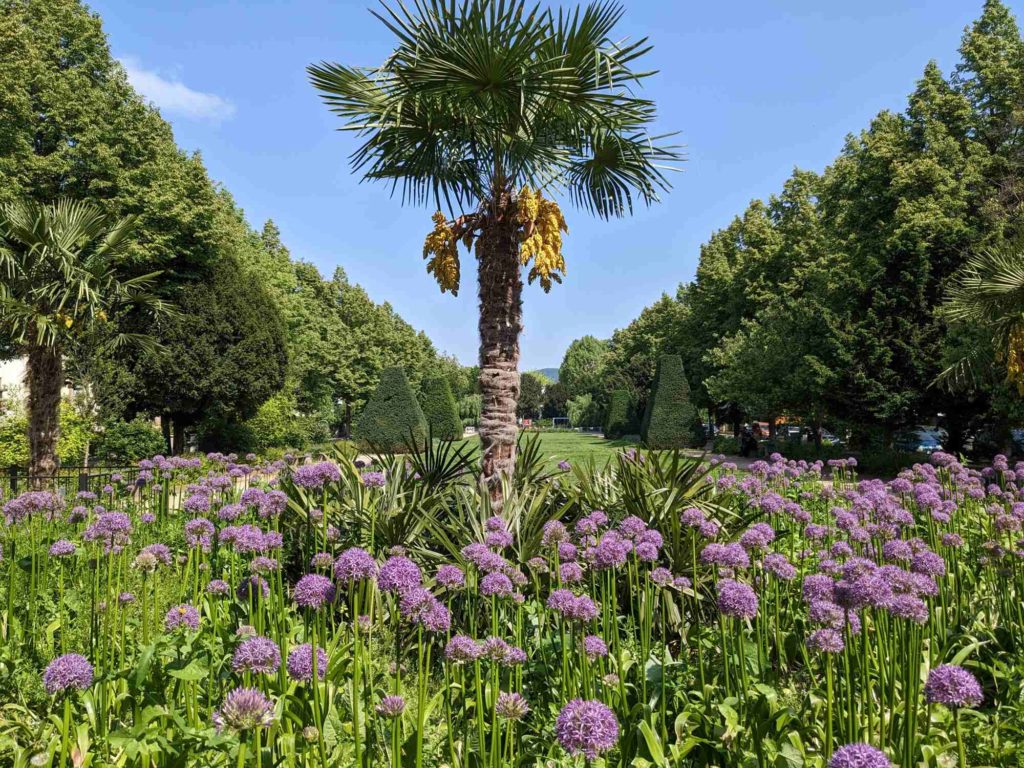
(440, 409)
(670, 420)
(392, 418)
(619, 419)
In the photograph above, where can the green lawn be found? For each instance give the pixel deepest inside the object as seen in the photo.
(574, 447)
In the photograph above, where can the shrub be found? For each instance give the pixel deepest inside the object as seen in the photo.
(126, 441)
(440, 409)
(584, 412)
(75, 435)
(619, 419)
(392, 417)
(670, 420)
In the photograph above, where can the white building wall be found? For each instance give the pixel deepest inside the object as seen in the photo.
(12, 375)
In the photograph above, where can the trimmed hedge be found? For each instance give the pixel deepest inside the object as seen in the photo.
(670, 420)
(619, 419)
(440, 409)
(392, 417)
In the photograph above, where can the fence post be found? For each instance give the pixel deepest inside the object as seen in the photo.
(13, 473)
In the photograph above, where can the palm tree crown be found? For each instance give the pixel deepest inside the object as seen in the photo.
(61, 266)
(491, 94)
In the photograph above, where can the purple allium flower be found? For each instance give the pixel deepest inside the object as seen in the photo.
(736, 599)
(586, 728)
(953, 686)
(161, 552)
(908, 607)
(826, 640)
(553, 533)
(185, 616)
(354, 564)
(511, 706)
(218, 587)
(322, 560)
(564, 465)
(418, 606)
(374, 479)
(594, 647)
(858, 756)
(71, 670)
(499, 539)
(450, 576)
(199, 533)
(572, 607)
(300, 663)
(818, 587)
(567, 551)
(778, 566)
(126, 598)
(110, 528)
(757, 536)
(313, 591)
(952, 540)
(570, 573)
(399, 573)
(244, 709)
(316, 475)
(62, 548)
(632, 526)
(257, 654)
(661, 576)
(391, 707)
(497, 584)
(692, 517)
(462, 648)
(682, 582)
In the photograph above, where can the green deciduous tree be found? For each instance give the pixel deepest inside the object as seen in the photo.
(583, 367)
(531, 396)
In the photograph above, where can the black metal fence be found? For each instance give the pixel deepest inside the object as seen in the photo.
(69, 480)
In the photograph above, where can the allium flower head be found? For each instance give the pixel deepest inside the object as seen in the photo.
(594, 647)
(257, 654)
(587, 728)
(71, 670)
(374, 479)
(314, 591)
(953, 686)
(496, 584)
(300, 663)
(316, 475)
(462, 648)
(244, 709)
(511, 706)
(218, 587)
(858, 756)
(399, 573)
(355, 564)
(62, 548)
(391, 707)
(182, 616)
(826, 640)
(736, 599)
(450, 576)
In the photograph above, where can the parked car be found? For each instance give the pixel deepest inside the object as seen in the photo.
(827, 438)
(922, 440)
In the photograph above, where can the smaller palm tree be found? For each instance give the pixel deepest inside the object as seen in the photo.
(988, 294)
(62, 276)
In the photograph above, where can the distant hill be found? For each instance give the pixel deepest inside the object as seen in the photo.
(551, 374)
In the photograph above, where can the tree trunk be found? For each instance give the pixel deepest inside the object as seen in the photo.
(501, 321)
(178, 432)
(44, 377)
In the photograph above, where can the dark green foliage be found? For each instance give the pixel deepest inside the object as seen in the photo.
(531, 395)
(670, 420)
(556, 400)
(440, 409)
(619, 419)
(392, 418)
(128, 441)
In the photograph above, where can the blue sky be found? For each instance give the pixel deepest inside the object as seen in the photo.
(755, 88)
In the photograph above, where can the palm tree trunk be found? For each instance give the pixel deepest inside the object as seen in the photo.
(501, 321)
(44, 376)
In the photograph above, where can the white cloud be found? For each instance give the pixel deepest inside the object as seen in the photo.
(173, 97)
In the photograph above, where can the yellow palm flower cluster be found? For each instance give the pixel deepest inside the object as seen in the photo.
(542, 227)
(442, 246)
(1015, 357)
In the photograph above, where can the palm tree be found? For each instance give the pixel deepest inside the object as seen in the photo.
(482, 107)
(61, 266)
(987, 294)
